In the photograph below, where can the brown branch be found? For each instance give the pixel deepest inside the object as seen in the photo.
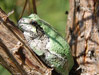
(26, 1)
(83, 36)
(7, 51)
(15, 55)
(34, 6)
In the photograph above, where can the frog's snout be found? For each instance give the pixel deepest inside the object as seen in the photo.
(21, 21)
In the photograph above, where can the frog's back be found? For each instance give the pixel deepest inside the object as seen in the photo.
(58, 45)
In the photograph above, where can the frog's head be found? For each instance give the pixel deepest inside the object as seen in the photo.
(29, 23)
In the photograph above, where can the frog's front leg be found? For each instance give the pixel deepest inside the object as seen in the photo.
(32, 43)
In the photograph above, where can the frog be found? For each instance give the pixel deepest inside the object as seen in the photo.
(47, 43)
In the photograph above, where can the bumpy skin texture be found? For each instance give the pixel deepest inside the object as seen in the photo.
(47, 43)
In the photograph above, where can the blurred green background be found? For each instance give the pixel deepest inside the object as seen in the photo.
(52, 11)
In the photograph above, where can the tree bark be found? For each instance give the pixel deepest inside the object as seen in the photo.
(15, 54)
(83, 36)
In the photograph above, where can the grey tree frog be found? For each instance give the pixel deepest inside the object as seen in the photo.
(47, 43)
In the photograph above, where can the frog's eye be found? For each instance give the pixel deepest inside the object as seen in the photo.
(33, 22)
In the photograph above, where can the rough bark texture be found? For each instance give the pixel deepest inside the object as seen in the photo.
(83, 36)
(15, 55)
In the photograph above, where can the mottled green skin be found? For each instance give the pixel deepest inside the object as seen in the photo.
(58, 45)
